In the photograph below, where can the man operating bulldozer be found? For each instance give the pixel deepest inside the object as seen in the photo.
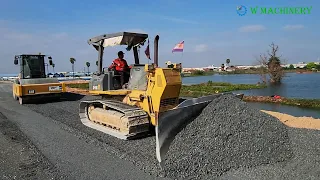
(120, 66)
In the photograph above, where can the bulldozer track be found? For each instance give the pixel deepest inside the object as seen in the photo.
(131, 112)
(138, 119)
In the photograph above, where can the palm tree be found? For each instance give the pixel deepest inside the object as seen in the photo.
(72, 60)
(88, 65)
(53, 65)
(228, 61)
(50, 64)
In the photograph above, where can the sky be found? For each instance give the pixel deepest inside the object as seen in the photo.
(212, 31)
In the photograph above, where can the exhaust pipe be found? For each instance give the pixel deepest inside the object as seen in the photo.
(156, 41)
(100, 57)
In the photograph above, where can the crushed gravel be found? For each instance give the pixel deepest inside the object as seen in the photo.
(237, 139)
(227, 135)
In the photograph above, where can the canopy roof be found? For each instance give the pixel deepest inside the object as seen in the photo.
(121, 38)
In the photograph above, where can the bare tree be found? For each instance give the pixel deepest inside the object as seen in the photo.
(271, 64)
(263, 69)
(274, 65)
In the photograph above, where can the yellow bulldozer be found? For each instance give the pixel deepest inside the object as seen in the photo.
(32, 85)
(150, 100)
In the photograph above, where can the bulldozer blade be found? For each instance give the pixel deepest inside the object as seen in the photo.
(171, 122)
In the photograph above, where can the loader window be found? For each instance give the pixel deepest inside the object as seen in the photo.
(33, 67)
(34, 62)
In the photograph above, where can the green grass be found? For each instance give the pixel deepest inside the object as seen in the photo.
(200, 73)
(215, 87)
(308, 103)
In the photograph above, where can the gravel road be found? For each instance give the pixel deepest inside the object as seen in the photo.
(19, 158)
(83, 153)
(76, 154)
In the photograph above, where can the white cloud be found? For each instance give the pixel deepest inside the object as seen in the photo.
(201, 48)
(293, 27)
(252, 28)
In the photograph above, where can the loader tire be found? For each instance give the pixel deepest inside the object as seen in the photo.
(14, 96)
(22, 100)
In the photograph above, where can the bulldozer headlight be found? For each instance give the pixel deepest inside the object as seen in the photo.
(151, 67)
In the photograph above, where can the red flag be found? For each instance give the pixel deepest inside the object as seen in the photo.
(147, 51)
(178, 47)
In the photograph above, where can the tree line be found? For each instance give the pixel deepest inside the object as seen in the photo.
(72, 61)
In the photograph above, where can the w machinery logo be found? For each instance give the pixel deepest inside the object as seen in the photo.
(241, 10)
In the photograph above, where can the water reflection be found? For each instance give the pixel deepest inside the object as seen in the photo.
(293, 85)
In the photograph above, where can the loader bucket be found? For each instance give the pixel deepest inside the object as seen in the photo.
(171, 122)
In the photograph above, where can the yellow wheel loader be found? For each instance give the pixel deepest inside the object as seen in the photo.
(150, 99)
(32, 84)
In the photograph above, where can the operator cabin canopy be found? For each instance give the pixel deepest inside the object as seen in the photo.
(121, 38)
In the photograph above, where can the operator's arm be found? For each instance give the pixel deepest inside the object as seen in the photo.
(113, 65)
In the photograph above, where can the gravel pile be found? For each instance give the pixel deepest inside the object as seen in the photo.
(227, 135)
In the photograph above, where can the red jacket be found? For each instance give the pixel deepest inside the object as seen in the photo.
(119, 65)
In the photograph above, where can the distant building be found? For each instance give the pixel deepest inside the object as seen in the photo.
(299, 65)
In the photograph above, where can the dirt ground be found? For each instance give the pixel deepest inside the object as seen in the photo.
(296, 122)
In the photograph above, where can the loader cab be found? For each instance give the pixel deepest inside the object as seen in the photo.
(105, 79)
(31, 66)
